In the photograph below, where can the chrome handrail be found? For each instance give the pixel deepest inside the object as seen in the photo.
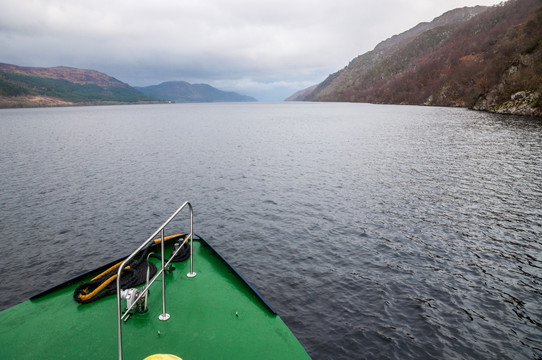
(164, 316)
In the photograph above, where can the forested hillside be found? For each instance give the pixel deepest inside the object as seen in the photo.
(482, 58)
(31, 86)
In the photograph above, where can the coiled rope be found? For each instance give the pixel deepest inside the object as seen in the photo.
(133, 274)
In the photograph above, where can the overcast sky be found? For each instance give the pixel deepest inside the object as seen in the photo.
(264, 48)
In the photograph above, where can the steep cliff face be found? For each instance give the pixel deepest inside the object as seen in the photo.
(483, 58)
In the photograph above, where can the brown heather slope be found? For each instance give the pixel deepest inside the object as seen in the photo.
(483, 58)
(62, 86)
(74, 75)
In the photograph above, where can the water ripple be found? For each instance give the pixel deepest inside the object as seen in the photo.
(376, 231)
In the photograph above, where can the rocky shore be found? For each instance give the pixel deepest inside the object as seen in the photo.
(528, 103)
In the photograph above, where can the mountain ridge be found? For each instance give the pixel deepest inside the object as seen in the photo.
(387, 47)
(485, 58)
(182, 91)
(71, 74)
(24, 86)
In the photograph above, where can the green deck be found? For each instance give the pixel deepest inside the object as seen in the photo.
(203, 323)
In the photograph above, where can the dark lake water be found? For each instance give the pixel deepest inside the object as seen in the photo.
(376, 232)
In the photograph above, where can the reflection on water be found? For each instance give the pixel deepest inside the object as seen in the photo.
(375, 231)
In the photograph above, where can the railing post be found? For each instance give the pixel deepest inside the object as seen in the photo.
(191, 274)
(119, 322)
(163, 316)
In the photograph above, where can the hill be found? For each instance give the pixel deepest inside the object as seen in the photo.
(181, 91)
(34, 86)
(482, 58)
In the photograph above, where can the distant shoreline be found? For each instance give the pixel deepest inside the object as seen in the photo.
(41, 101)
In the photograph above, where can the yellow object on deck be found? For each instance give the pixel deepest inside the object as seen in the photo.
(101, 287)
(162, 357)
(166, 238)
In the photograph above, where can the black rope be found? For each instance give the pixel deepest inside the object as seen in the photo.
(183, 254)
(134, 276)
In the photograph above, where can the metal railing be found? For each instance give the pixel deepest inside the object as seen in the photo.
(143, 293)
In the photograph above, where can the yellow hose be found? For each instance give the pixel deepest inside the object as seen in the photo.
(158, 240)
(107, 271)
(115, 267)
(101, 287)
